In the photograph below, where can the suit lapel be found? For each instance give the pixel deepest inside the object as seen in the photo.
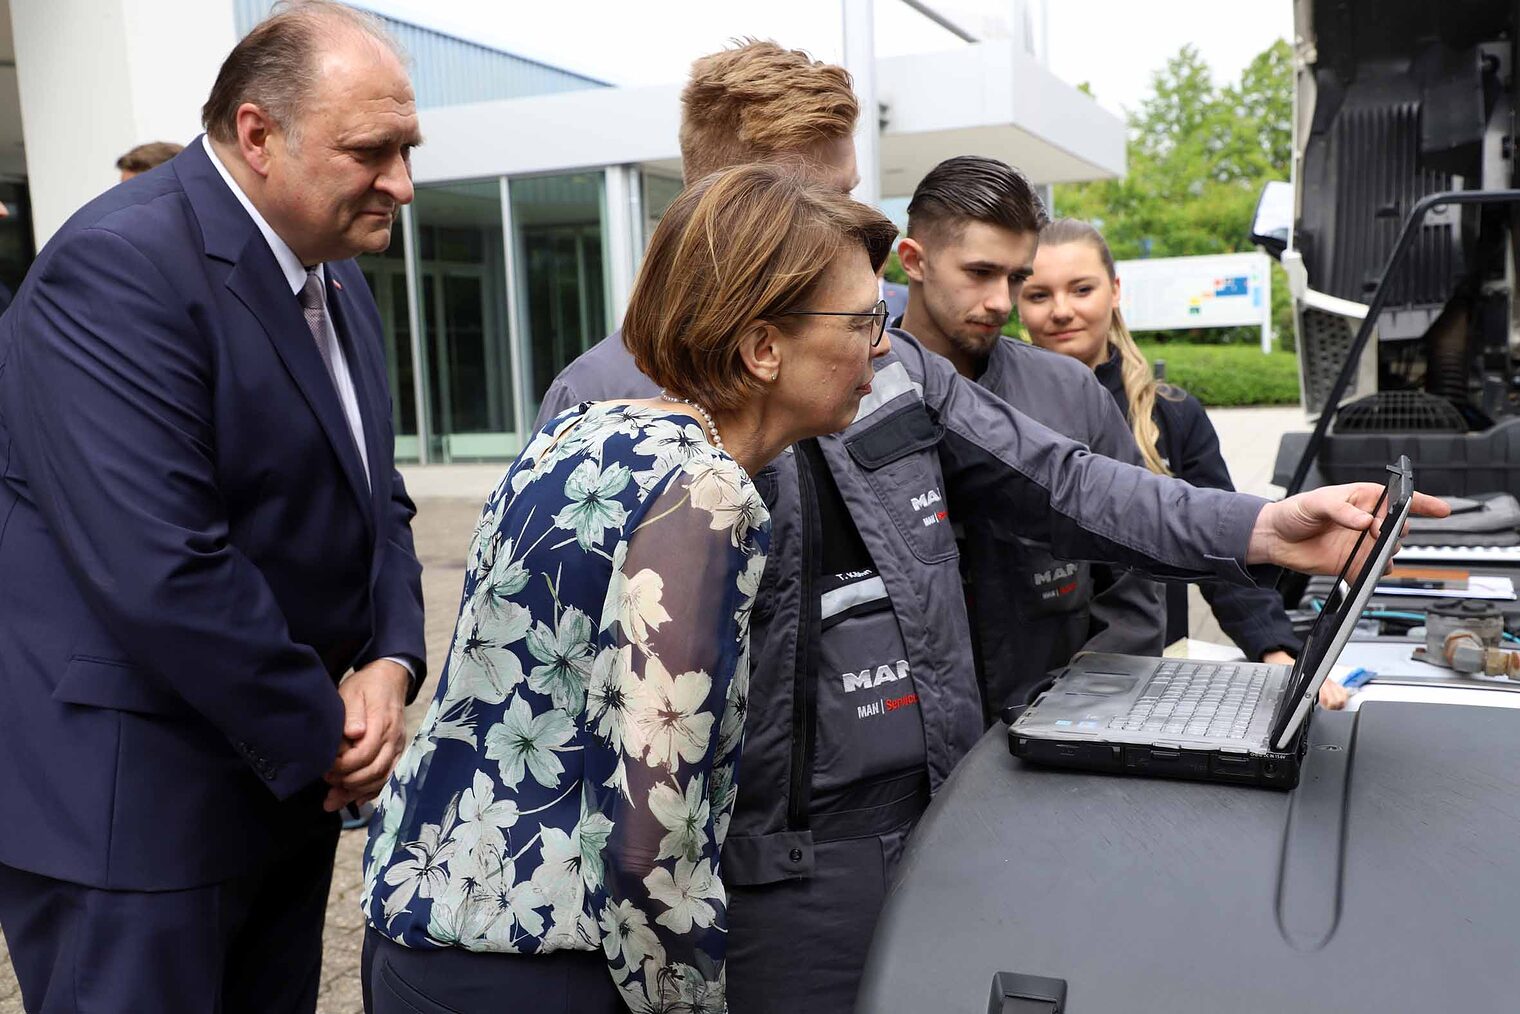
(258, 282)
(374, 408)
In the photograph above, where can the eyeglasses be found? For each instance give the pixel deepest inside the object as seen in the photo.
(879, 312)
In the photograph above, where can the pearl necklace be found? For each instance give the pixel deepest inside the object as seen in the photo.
(712, 427)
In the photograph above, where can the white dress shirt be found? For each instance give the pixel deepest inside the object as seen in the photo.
(295, 275)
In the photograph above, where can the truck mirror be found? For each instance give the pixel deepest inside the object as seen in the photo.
(1273, 222)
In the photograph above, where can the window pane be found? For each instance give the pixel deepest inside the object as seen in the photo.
(386, 275)
(558, 226)
(16, 246)
(463, 312)
(659, 192)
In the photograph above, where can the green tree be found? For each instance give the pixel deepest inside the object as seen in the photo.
(1198, 156)
(1263, 106)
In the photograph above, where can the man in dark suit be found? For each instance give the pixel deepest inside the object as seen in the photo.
(201, 532)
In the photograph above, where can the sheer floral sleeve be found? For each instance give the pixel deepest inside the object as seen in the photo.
(666, 700)
(572, 781)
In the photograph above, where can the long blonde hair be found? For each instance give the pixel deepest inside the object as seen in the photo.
(1140, 385)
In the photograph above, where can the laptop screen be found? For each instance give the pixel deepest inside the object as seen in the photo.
(1336, 621)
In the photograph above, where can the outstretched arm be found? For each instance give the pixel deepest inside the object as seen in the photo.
(1087, 507)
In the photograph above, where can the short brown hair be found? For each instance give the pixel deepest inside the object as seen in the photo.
(972, 188)
(743, 245)
(756, 101)
(275, 65)
(148, 156)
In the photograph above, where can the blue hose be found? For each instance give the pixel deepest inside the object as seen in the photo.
(1318, 605)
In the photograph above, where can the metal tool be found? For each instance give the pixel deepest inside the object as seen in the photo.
(1466, 636)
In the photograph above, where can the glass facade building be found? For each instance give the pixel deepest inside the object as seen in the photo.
(447, 70)
(490, 289)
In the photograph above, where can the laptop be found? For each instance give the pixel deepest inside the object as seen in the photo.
(1214, 721)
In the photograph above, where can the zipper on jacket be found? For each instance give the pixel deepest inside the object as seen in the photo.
(809, 633)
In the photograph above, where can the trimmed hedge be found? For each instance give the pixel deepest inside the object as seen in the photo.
(1226, 375)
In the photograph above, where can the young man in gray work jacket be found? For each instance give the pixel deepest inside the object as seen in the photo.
(863, 694)
(973, 226)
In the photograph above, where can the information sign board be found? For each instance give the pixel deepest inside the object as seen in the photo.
(1218, 290)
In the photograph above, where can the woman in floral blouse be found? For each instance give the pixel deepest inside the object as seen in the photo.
(550, 839)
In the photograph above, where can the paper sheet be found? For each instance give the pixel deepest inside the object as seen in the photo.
(1210, 651)
(1479, 586)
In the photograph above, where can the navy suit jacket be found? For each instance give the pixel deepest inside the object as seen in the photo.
(190, 556)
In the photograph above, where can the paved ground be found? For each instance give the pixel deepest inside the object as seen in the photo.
(448, 501)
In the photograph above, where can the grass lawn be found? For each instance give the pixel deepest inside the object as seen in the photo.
(1235, 374)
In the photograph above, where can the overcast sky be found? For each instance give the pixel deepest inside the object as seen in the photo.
(1114, 45)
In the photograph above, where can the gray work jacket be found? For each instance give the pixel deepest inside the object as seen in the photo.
(1030, 610)
(923, 438)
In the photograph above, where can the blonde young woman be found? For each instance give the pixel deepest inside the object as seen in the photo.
(1070, 304)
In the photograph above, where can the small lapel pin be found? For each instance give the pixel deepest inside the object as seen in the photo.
(337, 285)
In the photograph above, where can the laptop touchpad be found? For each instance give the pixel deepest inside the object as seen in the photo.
(1100, 684)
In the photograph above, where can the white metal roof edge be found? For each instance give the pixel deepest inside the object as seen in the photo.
(980, 87)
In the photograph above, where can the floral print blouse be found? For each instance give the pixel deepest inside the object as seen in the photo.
(571, 784)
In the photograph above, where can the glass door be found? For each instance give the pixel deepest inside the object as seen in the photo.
(463, 313)
(386, 275)
(558, 224)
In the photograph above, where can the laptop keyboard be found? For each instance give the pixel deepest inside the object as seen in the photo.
(1197, 699)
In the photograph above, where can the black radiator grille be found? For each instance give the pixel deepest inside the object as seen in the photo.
(1375, 151)
(1325, 340)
